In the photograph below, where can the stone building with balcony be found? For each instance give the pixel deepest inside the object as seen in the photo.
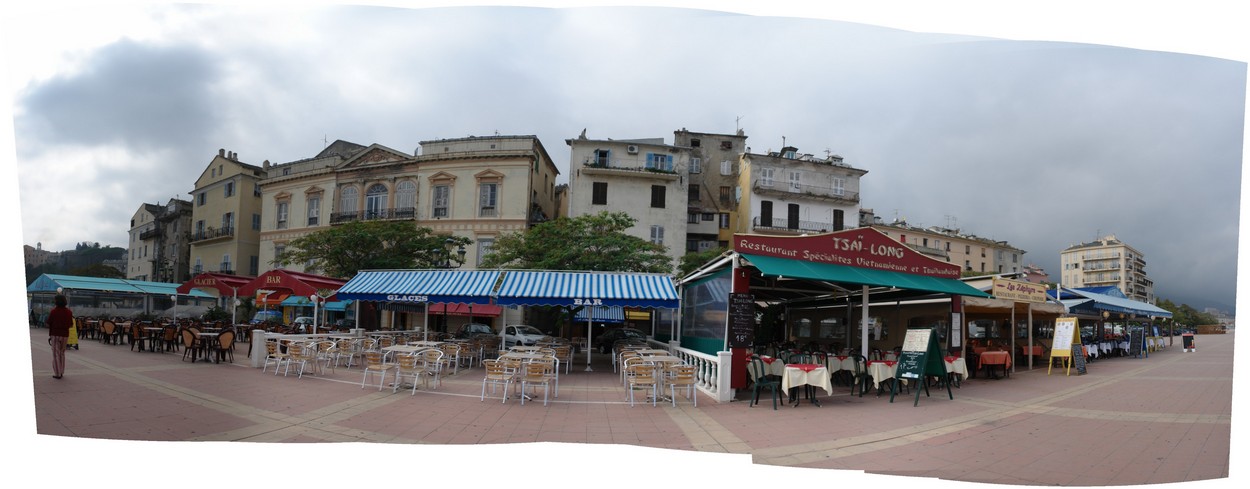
(1107, 261)
(297, 197)
(226, 217)
(159, 248)
(974, 254)
(644, 178)
(789, 193)
(712, 176)
(476, 187)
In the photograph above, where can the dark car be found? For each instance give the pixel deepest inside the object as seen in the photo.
(605, 341)
(345, 324)
(475, 329)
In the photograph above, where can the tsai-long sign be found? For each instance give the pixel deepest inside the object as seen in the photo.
(860, 247)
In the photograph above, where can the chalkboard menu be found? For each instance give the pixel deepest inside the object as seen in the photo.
(911, 359)
(920, 357)
(1078, 358)
(741, 320)
(1187, 340)
(1136, 342)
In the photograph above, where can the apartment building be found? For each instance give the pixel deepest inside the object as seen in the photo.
(1107, 261)
(712, 176)
(644, 178)
(159, 248)
(975, 254)
(789, 193)
(226, 217)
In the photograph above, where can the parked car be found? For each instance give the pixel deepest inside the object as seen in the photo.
(605, 341)
(475, 329)
(521, 334)
(263, 316)
(345, 324)
(303, 324)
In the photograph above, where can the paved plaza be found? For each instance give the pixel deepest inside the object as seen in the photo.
(1161, 419)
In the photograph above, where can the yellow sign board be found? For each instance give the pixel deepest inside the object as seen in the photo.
(1018, 290)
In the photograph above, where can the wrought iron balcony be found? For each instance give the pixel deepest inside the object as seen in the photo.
(212, 233)
(149, 234)
(374, 215)
(759, 223)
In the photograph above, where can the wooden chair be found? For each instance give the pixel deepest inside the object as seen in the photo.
(190, 345)
(407, 365)
(108, 332)
(682, 375)
(641, 376)
(273, 354)
(451, 357)
(564, 353)
(225, 345)
(375, 363)
(326, 353)
(537, 372)
(497, 374)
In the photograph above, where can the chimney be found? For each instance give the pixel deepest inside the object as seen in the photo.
(221, 153)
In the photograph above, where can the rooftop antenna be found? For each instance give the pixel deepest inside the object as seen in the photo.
(325, 141)
(738, 123)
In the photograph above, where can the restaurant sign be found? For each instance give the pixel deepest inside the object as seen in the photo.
(859, 247)
(1017, 290)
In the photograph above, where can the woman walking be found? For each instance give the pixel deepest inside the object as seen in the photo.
(59, 322)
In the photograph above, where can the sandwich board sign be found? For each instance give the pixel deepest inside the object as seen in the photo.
(920, 357)
(1067, 345)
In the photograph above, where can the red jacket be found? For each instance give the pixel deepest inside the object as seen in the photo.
(59, 321)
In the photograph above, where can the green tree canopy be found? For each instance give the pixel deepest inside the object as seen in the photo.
(342, 250)
(692, 261)
(592, 242)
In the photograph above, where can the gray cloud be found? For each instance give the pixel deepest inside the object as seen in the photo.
(1042, 144)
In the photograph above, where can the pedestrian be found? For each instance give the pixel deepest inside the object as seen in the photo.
(59, 322)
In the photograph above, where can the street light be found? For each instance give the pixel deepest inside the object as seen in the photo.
(175, 299)
(442, 256)
(313, 298)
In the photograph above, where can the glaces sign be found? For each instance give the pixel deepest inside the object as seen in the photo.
(861, 247)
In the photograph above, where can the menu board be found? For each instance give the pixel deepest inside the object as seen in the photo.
(1065, 328)
(1136, 342)
(920, 356)
(741, 320)
(1187, 340)
(1078, 358)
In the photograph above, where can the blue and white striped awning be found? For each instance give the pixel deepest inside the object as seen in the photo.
(424, 286)
(614, 314)
(533, 288)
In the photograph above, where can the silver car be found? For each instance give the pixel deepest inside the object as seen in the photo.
(521, 334)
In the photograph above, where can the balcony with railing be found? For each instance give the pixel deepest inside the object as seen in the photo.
(783, 189)
(781, 224)
(591, 166)
(393, 214)
(209, 234)
(149, 234)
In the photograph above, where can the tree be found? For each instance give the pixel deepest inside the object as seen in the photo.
(97, 270)
(591, 242)
(342, 250)
(692, 261)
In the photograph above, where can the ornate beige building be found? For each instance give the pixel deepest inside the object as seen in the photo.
(475, 187)
(974, 254)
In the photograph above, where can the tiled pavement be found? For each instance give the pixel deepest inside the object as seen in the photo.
(1166, 418)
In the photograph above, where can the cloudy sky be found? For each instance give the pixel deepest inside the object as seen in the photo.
(1043, 124)
(1040, 143)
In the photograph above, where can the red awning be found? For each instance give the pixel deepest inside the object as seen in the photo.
(298, 283)
(225, 284)
(272, 301)
(489, 310)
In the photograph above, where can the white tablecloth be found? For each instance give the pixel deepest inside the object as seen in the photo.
(795, 377)
(777, 367)
(880, 370)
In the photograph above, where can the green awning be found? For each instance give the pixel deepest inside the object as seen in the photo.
(785, 267)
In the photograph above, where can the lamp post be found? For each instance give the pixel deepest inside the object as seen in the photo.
(313, 298)
(442, 256)
(175, 299)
